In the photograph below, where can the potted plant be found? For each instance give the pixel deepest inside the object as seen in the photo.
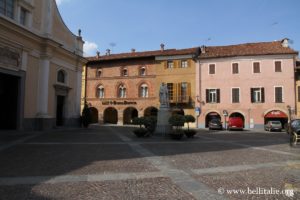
(150, 123)
(189, 132)
(177, 121)
(86, 116)
(139, 132)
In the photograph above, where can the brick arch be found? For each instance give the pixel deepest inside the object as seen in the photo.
(150, 87)
(96, 88)
(118, 85)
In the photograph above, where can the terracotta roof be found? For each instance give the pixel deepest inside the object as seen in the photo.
(248, 49)
(167, 52)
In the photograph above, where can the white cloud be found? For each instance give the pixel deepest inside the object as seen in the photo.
(90, 48)
(59, 2)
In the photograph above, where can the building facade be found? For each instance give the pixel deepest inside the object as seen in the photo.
(120, 87)
(40, 66)
(253, 81)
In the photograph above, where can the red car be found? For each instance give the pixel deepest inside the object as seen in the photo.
(236, 123)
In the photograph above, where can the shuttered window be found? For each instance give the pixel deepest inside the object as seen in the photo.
(170, 64)
(171, 91)
(212, 69)
(235, 68)
(278, 94)
(278, 66)
(257, 95)
(235, 95)
(256, 67)
(212, 95)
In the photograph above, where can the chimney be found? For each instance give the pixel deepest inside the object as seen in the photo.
(98, 54)
(108, 52)
(285, 42)
(203, 48)
(132, 50)
(162, 47)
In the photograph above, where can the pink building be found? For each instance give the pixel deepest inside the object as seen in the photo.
(254, 81)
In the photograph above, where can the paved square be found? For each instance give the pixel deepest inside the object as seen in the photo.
(111, 163)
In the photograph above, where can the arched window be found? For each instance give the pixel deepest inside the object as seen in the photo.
(122, 91)
(61, 76)
(99, 72)
(143, 71)
(100, 91)
(124, 72)
(144, 91)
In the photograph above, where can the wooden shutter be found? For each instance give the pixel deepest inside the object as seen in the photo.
(277, 66)
(207, 96)
(252, 95)
(189, 93)
(263, 95)
(165, 64)
(179, 93)
(218, 96)
(298, 93)
(174, 92)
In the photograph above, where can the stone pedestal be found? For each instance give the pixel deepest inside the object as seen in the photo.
(163, 127)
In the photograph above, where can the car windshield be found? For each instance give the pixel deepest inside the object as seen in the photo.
(215, 121)
(276, 122)
(296, 123)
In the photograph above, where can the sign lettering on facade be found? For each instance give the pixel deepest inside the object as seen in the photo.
(118, 103)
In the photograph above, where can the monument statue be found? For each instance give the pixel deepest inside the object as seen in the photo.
(163, 127)
(164, 95)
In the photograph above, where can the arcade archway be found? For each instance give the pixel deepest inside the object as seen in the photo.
(210, 116)
(129, 114)
(110, 116)
(237, 114)
(94, 113)
(150, 111)
(276, 115)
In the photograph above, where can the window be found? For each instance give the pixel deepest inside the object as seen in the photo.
(235, 95)
(235, 68)
(99, 73)
(256, 67)
(100, 92)
(257, 95)
(170, 64)
(184, 64)
(124, 72)
(278, 66)
(213, 95)
(212, 69)
(170, 90)
(184, 91)
(144, 91)
(23, 16)
(122, 91)
(143, 71)
(7, 8)
(61, 77)
(278, 95)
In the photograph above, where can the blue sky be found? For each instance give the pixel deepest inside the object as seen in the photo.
(121, 25)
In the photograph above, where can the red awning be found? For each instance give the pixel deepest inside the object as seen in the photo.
(276, 114)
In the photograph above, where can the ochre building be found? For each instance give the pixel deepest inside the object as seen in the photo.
(40, 67)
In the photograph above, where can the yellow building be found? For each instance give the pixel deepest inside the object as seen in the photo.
(177, 70)
(40, 66)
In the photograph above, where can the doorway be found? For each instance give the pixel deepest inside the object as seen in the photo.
(9, 96)
(60, 101)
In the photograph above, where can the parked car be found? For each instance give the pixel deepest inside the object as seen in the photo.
(235, 123)
(215, 124)
(273, 126)
(294, 129)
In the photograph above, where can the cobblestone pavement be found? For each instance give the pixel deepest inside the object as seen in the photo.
(105, 162)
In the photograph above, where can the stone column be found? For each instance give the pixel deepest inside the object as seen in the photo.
(43, 121)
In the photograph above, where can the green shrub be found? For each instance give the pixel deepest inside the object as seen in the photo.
(189, 119)
(139, 121)
(150, 123)
(177, 121)
(86, 116)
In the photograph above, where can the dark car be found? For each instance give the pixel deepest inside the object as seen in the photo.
(294, 130)
(215, 124)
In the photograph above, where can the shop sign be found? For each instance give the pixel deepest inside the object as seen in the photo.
(119, 103)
